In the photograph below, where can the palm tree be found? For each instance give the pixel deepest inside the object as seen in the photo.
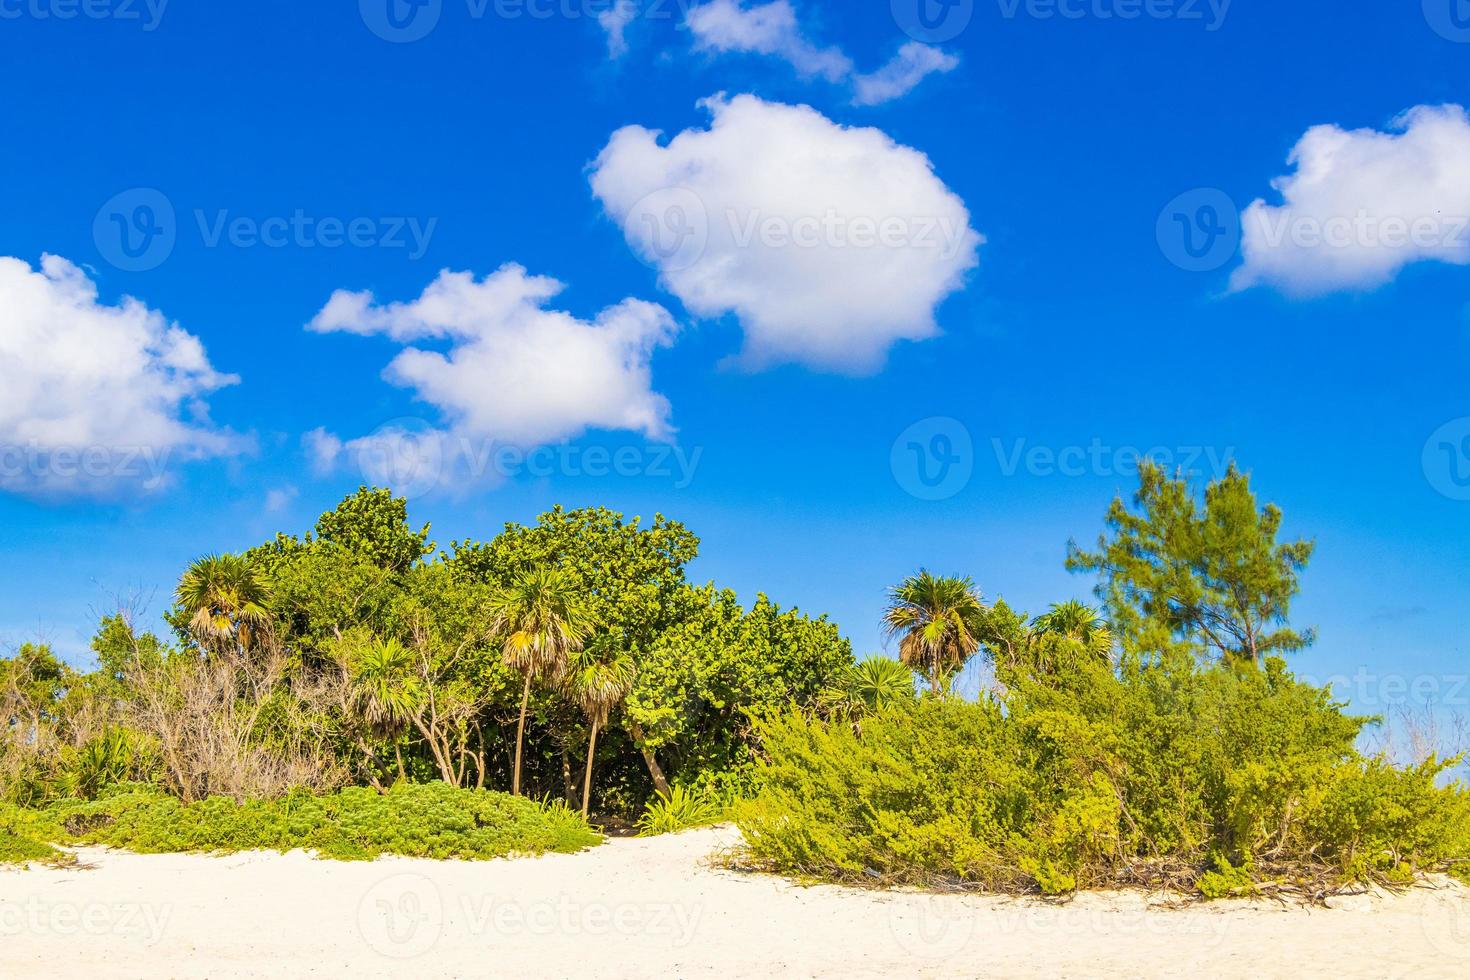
(598, 680)
(939, 620)
(542, 623)
(224, 600)
(1079, 623)
(385, 691)
(868, 686)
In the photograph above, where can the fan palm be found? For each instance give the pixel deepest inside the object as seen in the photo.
(542, 622)
(938, 620)
(385, 691)
(224, 601)
(598, 680)
(1078, 623)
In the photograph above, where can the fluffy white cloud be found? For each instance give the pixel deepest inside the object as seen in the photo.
(614, 21)
(97, 399)
(828, 243)
(514, 373)
(1363, 204)
(913, 63)
(771, 29)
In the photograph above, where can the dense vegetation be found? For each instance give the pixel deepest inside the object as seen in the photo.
(570, 659)
(358, 691)
(1167, 744)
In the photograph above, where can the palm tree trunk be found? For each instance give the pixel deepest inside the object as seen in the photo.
(587, 781)
(398, 749)
(520, 735)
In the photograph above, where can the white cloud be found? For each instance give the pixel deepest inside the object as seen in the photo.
(614, 21)
(828, 243)
(97, 400)
(515, 373)
(913, 63)
(771, 29)
(1363, 204)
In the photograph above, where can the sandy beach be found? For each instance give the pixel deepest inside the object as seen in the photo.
(655, 908)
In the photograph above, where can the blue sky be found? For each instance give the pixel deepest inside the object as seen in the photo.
(771, 401)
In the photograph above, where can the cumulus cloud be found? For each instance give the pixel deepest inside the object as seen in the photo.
(98, 400)
(771, 29)
(913, 63)
(1363, 204)
(828, 243)
(514, 372)
(614, 22)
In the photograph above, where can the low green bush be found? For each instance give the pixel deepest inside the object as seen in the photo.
(426, 820)
(682, 809)
(25, 837)
(1227, 780)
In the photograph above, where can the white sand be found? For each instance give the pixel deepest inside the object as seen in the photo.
(655, 908)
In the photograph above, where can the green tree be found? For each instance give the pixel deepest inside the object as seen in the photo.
(386, 693)
(542, 621)
(224, 602)
(629, 577)
(599, 677)
(938, 621)
(703, 680)
(373, 523)
(1206, 579)
(870, 685)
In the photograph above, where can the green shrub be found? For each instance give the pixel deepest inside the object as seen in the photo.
(681, 809)
(1156, 773)
(427, 820)
(26, 836)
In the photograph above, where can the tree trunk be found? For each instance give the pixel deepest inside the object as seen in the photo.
(568, 785)
(402, 773)
(659, 782)
(587, 781)
(520, 736)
